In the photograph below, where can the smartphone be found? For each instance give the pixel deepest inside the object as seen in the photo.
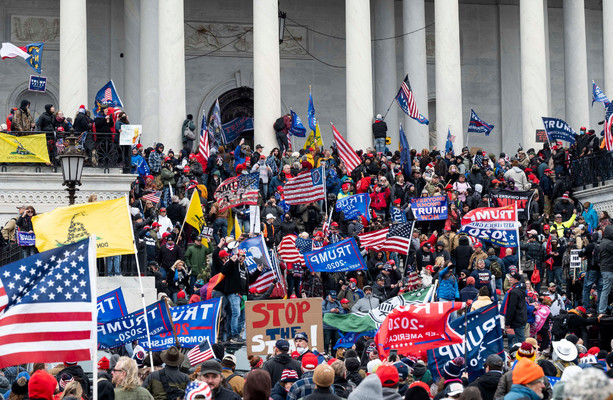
(393, 355)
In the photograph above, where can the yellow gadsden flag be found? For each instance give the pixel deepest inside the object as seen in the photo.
(109, 220)
(314, 139)
(20, 149)
(194, 215)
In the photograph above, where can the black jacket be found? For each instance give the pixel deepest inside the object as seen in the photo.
(45, 121)
(379, 130)
(487, 384)
(237, 277)
(223, 393)
(516, 314)
(462, 254)
(278, 392)
(278, 363)
(322, 394)
(82, 123)
(606, 249)
(77, 372)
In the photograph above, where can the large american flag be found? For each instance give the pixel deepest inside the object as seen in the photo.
(200, 353)
(345, 151)
(268, 275)
(608, 134)
(288, 252)
(394, 238)
(47, 307)
(305, 188)
(406, 101)
(203, 146)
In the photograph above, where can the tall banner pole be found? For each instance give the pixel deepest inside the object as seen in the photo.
(142, 290)
(94, 289)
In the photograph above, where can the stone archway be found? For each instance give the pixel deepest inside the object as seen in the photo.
(37, 100)
(236, 103)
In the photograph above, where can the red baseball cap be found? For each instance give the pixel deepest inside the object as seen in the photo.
(545, 226)
(223, 254)
(344, 301)
(388, 374)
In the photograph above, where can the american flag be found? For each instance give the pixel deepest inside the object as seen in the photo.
(47, 307)
(237, 190)
(305, 188)
(108, 94)
(203, 147)
(288, 251)
(304, 245)
(345, 151)
(153, 197)
(608, 135)
(200, 353)
(394, 238)
(268, 275)
(406, 101)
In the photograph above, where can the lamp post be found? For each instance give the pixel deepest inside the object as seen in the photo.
(72, 167)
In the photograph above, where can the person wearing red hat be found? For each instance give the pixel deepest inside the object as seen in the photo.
(579, 321)
(388, 374)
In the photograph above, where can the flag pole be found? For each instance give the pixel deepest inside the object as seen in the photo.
(466, 337)
(388, 108)
(142, 291)
(93, 284)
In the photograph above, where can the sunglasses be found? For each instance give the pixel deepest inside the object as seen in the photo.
(118, 370)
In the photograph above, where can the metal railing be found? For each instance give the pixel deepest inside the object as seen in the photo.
(102, 149)
(593, 169)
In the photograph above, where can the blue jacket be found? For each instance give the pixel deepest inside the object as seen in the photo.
(326, 306)
(591, 217)
(520, 392)
(237, 157)
(448, 288)
(470, 292)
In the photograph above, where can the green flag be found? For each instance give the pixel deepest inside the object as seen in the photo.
(361, 322)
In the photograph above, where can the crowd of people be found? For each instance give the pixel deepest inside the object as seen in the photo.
(552, 313)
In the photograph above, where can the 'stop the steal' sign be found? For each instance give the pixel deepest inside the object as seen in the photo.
(271, 320)
(429, 208)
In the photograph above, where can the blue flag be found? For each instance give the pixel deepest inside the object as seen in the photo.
(231, 130)
(297, 129)
(142, 168)
(349, 338)
(338, 257)
(107, 95)
(111, 306)
(405, 153)
(257, 253)
(35, 50)
(557, 129)
(598, 95)
(484, 338)
(215, 127)
(398, 215)
(311, 113)
(477, 125)
(355, 205)
(449, 144)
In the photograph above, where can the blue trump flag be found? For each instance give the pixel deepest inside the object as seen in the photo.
(230, 131)
(484, 338)
(598, 95)
(355, 205)
(311, 113)
(35, 50)
(349, 338)
(449, 143)
(557, 129)
(405, 152)
(194, 323)
(215, 128)
(116, 332)
(398, 215)
(107, 95)
(142, 168)
(477, 125)
(111, 306)
(297, 129)
(338, 257)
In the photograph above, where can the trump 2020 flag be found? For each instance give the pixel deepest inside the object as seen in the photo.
(35, 50)
(48, 306)
(297, 129)
(405, 152)
(484, 338)
(415, 328)
(353, 206)
(107, 95)
(477, 125)
(497, 225)
(311, 112)
(215, 127)
(557, 129)
(598, 95)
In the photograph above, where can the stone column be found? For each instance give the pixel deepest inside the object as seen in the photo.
(448, 73)
(607, 45)
(73, 56)
(533, 70)
(359, 74)
(171, 72)
(575, 65)
(149, 89)
(386, 82)
(414, 20)
(266, 72)
(131, 57)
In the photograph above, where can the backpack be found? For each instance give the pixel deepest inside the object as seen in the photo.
(559, 328)
(279, 125)
(495, 269)
(172, 392)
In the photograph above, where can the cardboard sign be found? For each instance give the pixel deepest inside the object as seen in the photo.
(130, 134)
(271, 320)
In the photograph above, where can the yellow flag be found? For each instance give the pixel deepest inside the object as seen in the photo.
(109, 220)
(314, 139)
(19, 149)
(194, 215)
(318, 141)
(237, 229)
(310, 141)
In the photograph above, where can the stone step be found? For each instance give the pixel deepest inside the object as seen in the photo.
(130, 288)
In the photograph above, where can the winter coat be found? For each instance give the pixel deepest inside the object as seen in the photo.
(365, 304)
(22, 119)
(606, 249)
(278, 363)
(448, 288)
(45, 121)
(278, 392)
(591, 217)
(82, 123)
(175, 378)
(516, 314)
(238, 277)
(469, 293)
(518, 175)
(326, 308)
(521, 392)
(195, 257)
(462, 254)
(379, 129)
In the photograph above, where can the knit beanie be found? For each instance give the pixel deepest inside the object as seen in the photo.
(370, 388)
(352, 364)
(526, 351)
(453, 368)
(20, 389)
(42, 385)
(526, 371)
(590, 384)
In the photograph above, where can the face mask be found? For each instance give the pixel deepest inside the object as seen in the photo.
(352, 285)
(564, 298)
(301, 350)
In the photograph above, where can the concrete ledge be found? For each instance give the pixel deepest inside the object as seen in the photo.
(131, 289)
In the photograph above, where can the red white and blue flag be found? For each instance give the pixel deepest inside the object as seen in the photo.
(200, 353)
(477, 125)
(47, 306)
(106, 95)
(305, 188)
(345, 151)
(406, 101)
(608, 135)
(394, 238)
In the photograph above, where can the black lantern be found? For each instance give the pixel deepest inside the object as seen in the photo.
(72, 167)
